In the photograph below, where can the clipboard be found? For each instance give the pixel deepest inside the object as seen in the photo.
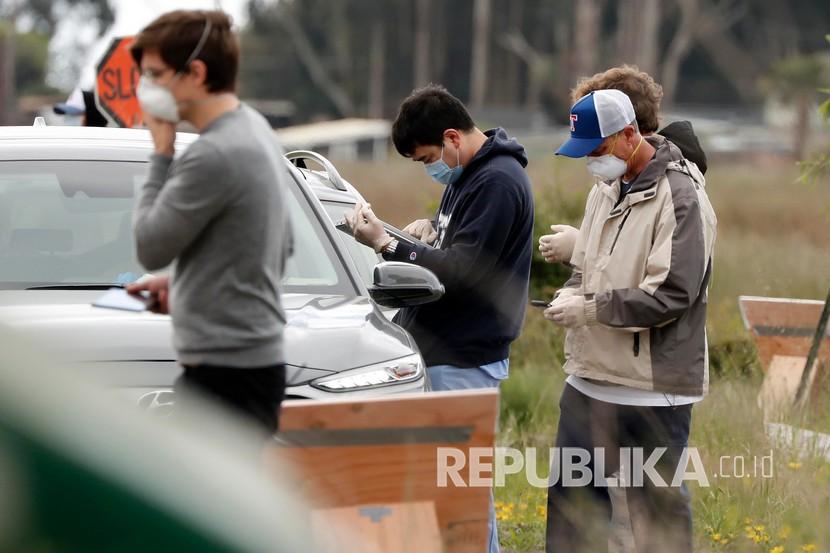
(395, 232)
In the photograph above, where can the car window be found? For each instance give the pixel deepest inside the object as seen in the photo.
(314, 268)
(364, 257)
(67, 222)
(70, 222)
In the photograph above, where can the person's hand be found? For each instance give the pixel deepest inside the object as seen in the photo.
(568, 311)
(559, 246)
(163, 133)
(159, 289)
(367, 228)
(422, 230)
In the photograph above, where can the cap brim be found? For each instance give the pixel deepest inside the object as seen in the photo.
(68, 109)
(579, 147)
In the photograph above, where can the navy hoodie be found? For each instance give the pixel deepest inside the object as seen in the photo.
(482, 256)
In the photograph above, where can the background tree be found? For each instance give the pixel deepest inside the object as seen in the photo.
(362, 57)
(796, 81)
(820, 164)
(41, 17)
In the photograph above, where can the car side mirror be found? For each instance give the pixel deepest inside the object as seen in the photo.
(399, 285)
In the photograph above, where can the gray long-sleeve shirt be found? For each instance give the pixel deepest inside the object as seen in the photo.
(219, 213)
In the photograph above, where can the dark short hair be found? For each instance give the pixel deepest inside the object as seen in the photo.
(425, 115)
(645, 94)
(176, 34)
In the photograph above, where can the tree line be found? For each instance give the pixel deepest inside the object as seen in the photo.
(360, 57)
(338, 58)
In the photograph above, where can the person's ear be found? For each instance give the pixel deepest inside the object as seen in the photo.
(198, 72)
(454, 137)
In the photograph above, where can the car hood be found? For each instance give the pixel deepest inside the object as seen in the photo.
(330, 333)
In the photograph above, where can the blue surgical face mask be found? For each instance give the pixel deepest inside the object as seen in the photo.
(443, 173)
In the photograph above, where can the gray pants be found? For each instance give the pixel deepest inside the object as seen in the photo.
(661, 517)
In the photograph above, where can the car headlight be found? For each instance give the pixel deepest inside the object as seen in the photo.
(397, 371)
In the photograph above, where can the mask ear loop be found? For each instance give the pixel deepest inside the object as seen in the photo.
(199, 45)
(614, 145)
(634, 153)
(457, 157)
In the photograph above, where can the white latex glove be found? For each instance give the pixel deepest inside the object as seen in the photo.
(571, 311)
(559, 246)
(367, 228)
(422, 230)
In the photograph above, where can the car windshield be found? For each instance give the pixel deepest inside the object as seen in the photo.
(70, 223)
(364, 257)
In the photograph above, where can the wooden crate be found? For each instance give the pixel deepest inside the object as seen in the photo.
(391, 528)
(784, 327)
(383, 451)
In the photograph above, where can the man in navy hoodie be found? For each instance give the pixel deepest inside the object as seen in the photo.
(481, 242)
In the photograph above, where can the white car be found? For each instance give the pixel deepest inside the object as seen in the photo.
(66, 201)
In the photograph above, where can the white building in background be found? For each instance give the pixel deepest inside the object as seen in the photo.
(342, 139)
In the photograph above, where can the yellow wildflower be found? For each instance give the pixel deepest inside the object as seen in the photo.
(504, 511)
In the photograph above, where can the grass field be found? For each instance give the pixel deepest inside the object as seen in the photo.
(773, 240)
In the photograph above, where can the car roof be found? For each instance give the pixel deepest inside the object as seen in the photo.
(323, 188)
(75, 143)
(109, 143)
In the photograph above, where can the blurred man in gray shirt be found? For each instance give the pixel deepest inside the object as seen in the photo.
(217, 212)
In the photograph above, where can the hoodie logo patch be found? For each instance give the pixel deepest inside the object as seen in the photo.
(443, 223)
(412, 256)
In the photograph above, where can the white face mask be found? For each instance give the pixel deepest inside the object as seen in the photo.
(157, 100)
(609, 167)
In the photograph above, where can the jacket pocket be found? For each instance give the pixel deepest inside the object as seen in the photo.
(636, 344)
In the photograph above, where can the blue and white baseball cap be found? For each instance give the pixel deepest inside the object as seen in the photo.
(594, 117)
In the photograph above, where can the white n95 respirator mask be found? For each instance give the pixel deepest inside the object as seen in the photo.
(157, 100)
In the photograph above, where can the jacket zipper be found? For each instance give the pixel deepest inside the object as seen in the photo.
(619, 230)
(636, 344)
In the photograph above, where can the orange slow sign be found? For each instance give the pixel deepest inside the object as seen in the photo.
(116, 83)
